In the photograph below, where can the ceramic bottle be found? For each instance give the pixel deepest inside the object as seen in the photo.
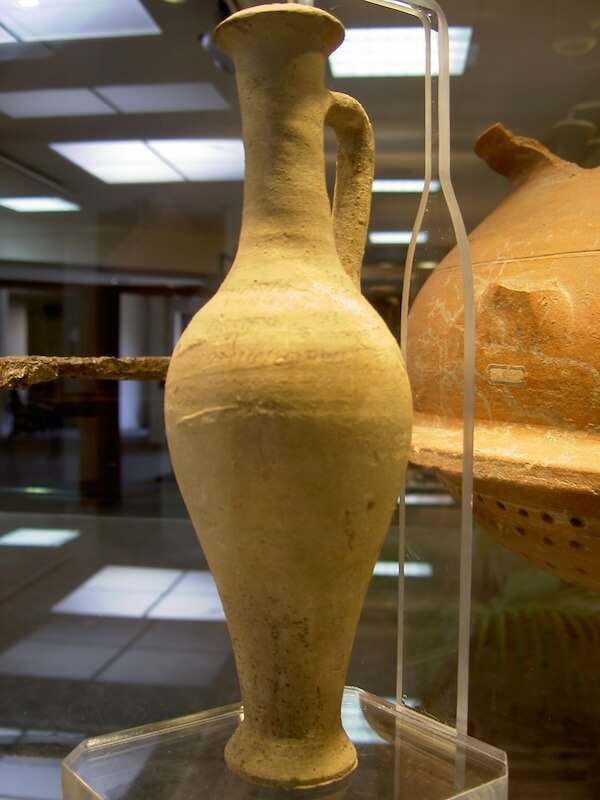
(287, 405)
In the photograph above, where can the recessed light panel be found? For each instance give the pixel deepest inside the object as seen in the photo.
(52, 103)
(395, 237)
(75, 19)
(403, 185)
(164, 97)
(118, 162)
(32, 205)
(395, 52)
(158, 160)
(203, 159)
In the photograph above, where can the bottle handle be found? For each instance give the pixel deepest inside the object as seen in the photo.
(353, 179)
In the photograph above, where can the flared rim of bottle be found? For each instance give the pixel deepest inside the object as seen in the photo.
(324, 31)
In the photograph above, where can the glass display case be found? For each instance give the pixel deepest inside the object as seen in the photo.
(115, 228)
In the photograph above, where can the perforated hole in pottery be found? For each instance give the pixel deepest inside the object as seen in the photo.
(566, 544)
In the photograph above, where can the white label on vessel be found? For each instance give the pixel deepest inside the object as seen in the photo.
(506, 375)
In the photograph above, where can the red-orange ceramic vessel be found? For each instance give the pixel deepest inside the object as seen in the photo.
(536, 266)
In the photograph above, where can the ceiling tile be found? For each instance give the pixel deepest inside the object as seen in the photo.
(53, 103)
(165, 97)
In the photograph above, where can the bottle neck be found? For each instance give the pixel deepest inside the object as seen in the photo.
(283, 104)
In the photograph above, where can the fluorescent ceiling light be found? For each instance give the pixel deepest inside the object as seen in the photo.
(203, 159)
(158, 160)
(76, 19)
(165, 97)
(395, 52)
(395, 237)
(118, 162)
(31, 205)
(38, 537)
(52, 103)
(403, 185)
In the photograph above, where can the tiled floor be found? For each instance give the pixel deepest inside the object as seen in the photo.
(121, 625)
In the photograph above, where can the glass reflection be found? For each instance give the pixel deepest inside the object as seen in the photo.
(30, 778)
(146, 592)
(38, 537)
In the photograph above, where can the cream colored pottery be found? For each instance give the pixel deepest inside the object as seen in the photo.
(288, 408)
(536, 269)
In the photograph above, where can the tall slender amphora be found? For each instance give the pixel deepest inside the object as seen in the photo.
(288, 408)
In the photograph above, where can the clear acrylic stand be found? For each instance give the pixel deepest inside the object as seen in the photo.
(453, 710)
(402, 754)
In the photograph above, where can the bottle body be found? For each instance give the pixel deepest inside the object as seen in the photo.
(288, 416)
